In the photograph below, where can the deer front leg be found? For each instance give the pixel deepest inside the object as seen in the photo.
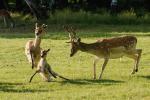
(94, 67)
(103, 67)
(33, 75)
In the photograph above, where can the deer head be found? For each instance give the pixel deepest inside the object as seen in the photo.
(74, 40)
(44, 53)
(75, 46)
(39, 29)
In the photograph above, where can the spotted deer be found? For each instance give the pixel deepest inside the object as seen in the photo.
(45, 69)
(32, 47)
(108, 48)
(7, 18)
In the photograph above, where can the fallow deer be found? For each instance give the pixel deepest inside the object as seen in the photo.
(7, 17)
(32, 47)
(45, 69)
(109, 48)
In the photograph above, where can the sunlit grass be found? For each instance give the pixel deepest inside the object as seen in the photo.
(117, 82)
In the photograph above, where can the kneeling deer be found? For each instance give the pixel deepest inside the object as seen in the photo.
(45, 69)
(110, 48)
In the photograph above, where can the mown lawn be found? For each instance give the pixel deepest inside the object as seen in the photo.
(117, 82)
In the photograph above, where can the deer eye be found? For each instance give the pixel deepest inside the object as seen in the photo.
(40, 31)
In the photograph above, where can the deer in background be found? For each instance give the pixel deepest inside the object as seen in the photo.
(110, 48)
(7, 17)
(32, 47)
(45, 69)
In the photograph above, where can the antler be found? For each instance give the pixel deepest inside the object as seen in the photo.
(44, 25)
(71, 31)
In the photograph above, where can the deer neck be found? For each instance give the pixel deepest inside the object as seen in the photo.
(43, 61)
(37, 42)
(90, 48)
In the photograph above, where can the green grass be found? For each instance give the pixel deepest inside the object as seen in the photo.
(117, 83)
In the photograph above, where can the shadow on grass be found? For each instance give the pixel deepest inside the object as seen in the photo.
(93, 82)
(146, 77)
(11, 87)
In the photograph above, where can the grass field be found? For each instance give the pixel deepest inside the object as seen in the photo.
(117, 82)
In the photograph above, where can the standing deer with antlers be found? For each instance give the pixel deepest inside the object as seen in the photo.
(110, 48)
(32, 47)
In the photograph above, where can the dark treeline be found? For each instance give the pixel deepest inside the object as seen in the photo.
(88, 5)
(75, 5)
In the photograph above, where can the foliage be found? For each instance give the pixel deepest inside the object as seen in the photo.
(83, 17)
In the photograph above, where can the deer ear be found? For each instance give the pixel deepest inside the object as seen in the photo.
(48, 50)
(79, 40)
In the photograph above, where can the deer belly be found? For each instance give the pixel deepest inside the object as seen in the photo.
(45, 76)
(117, 52)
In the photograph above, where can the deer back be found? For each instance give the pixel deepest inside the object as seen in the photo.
(126, 41)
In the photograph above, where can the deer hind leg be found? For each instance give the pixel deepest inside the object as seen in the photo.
(94, 67)
(32, 59)
(103, 67)
(133, 56)
(139, 51)
(51, 72)
(56, 74)
(136, 55)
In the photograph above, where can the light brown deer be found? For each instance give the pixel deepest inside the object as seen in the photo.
(32, 47)
(110, 48)
(7, 17)
(45, 69)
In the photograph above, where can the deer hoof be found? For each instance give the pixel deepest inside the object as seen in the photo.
(136, 70)
(32, 66)
(133, 72)
(100, 78)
